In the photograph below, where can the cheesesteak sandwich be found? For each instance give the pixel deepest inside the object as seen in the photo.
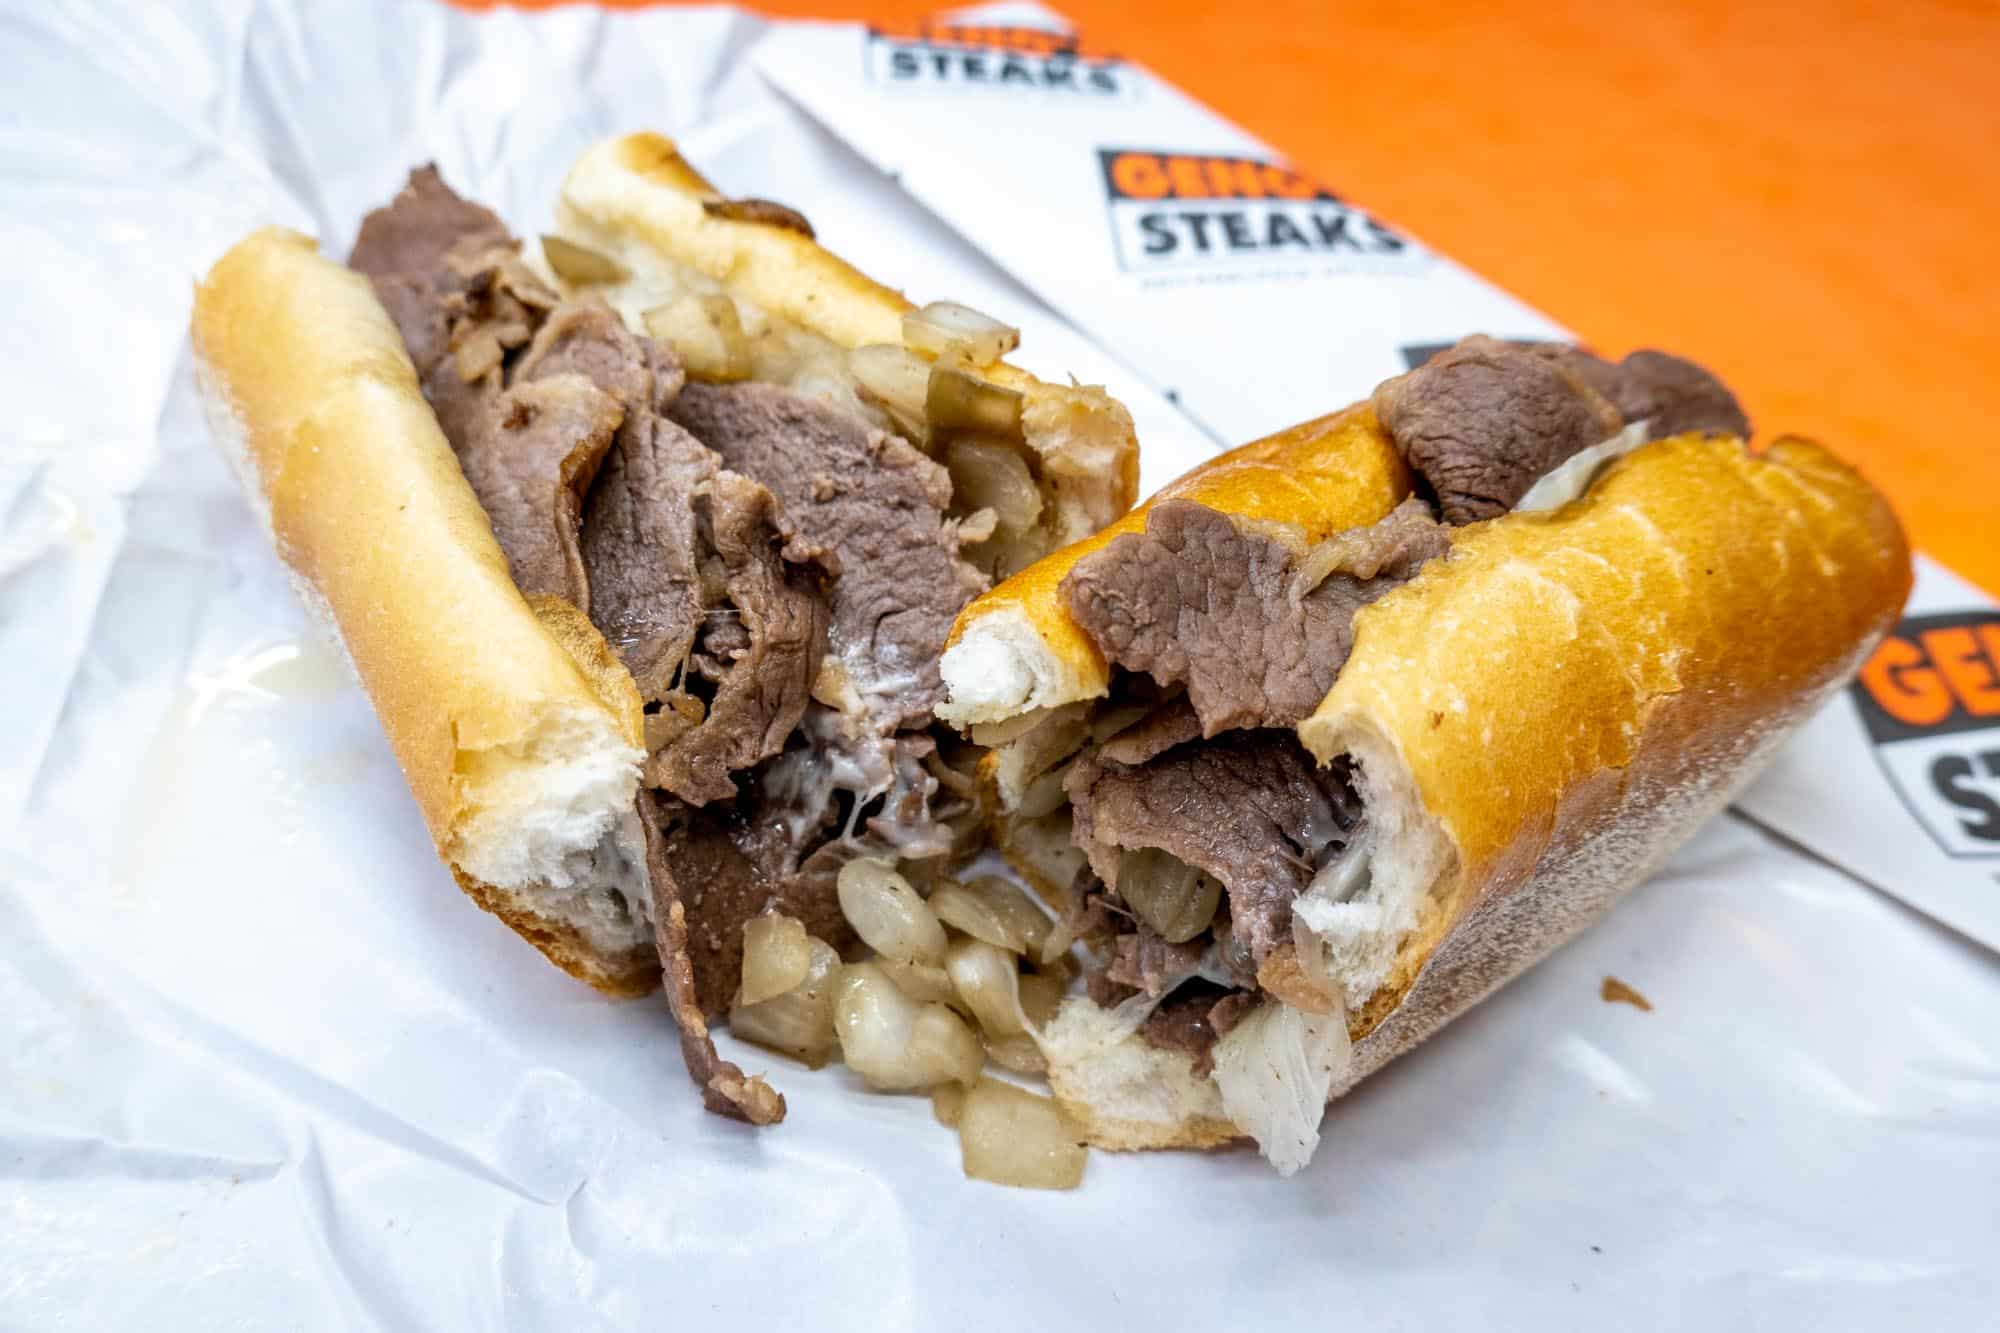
(1344, 729)
(645, 541)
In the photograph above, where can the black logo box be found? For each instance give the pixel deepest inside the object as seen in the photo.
(1883, 727)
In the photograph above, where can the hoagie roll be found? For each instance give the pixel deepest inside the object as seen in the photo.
(1312, 771)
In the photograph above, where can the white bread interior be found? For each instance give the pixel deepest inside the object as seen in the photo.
(518, 738)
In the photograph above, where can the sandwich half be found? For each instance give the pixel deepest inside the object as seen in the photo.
(1344, 729)
(645, 540)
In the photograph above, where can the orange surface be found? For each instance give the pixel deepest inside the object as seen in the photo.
(1799, 195)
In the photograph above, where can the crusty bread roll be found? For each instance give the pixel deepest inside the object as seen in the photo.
(1538, 719)
(515, 726)
(1016, 650)
(638, 201)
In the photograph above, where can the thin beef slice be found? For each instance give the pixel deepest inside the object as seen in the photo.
(877, 504)
(1249, 807)
(687, 561)
(1484, 420)
(530, 455)
(725, 1089)
(1201, 600)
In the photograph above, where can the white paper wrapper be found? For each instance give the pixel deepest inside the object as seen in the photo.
(264, 1066)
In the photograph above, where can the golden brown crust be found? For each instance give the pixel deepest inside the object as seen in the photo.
(1322, 476)
(627, 974)
(1621, 662)
(1569, 696)
(310, 386)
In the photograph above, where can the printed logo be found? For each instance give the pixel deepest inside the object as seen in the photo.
(1930, 698)
(978, 58)
(1206, 211)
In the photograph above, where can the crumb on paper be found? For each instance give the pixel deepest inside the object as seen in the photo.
(1614, 991)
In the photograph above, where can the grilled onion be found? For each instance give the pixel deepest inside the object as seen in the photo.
(1021, 1054)
(580, 264)
(923, 982)
(991, 909)
(708, 334)
(775, 957)
(897, 380)
(993, 476)
(958, 335)
(799, 1022)
(957, 401)
(988, 979)
(887, 913)
(893, 1042)
(1041, 995)
(1013, 1137)
(1167, 893)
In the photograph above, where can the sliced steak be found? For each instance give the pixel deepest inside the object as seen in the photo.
(731, 864)
(725, 1089)
(1485, 420)
(1201, 600)
(1172, 723)
(762, 658)
(673, 557)
(878, 504)
(1672, 395)
(1144, 961)
(454, 283)
(530, 453)
(587, 338)
(410, 237)
(1194, 1018)
(1248, 807)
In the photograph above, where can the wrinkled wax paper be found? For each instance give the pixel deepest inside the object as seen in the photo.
(262, 1066)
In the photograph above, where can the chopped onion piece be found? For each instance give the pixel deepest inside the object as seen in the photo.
(1275, 1069)
(893, 1042)
(577, 263)
(1055, 949)
(800, 1022)
(995, 734)
(947, 1100)
(991, 909)
(477, 355)
(957, 401)
(1572, 477)
(923, 982)
(988, 979)
(1020, 1054)
(887, 913)
(707, 333)
(899, 381)
(1012, 1137)
(994, 476)
(1167, 893)
(1041, 995)
(958, 335)
(775, 957)
(977, 527)
(1044, 796)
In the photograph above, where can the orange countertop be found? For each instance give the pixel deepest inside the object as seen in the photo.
(1798, 195)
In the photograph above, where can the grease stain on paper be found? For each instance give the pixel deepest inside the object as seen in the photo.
(1614, 991)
